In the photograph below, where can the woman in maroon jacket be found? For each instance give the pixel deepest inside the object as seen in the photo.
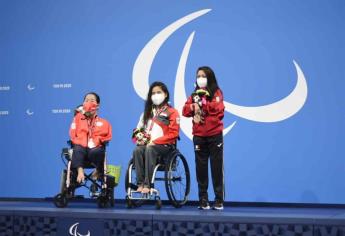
(206, 107)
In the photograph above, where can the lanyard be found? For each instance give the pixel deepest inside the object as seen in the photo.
(163, 108)
(90, 125)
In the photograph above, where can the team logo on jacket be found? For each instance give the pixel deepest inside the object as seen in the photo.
(99, 123)
(273, 112)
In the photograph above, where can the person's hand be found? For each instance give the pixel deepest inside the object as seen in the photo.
(151, 144)
(196, 108)
(81, 176)
(197, 118)
(140, 142)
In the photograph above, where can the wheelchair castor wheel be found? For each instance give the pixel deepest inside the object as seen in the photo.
(112, 198)
(158, 203)
(60, 200)
(102, 201)
(129, 203)
(93, 188)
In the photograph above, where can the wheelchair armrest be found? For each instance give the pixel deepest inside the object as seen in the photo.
(66, 153)
(69, 143)
(106, 143)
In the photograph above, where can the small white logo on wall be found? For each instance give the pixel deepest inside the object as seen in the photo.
(30, 87)
(274, 112)
(5, 88)
(61, 111)
(29, 112)
(62, 86)
(73, 230)
(4, 113)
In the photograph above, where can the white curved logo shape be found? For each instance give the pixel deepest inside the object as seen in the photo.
(73, 230)
(142, 66)
(279, 110)
(30, 87)
(29, 112)
(274, 112)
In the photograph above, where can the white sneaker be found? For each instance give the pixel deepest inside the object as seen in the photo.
(204, 205)
(218, 206)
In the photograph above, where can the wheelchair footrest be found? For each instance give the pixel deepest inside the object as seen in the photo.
(135, 195)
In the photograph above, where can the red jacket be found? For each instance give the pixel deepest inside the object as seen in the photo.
(165, 127)
(99, 130)
(213, 115)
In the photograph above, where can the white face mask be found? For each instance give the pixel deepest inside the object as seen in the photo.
(202, 82)
(158, 98)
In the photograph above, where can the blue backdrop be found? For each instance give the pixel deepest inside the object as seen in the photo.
(53, 52)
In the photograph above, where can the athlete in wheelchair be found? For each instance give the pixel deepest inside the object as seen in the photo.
(156, 135)
(89, 136)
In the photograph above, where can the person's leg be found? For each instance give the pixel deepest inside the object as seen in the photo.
(201, 163)
(217, 169)
(138, 158)
(152, 155)
(78, 157)
(96, 157)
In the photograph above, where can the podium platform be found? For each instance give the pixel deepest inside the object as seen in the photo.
(85, 218)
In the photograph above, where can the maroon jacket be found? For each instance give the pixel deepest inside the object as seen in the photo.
(214, 113)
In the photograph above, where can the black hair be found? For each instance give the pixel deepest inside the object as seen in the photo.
(149, 104)
(212, 85)
(98, 99)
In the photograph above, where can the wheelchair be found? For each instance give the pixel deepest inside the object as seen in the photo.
(101, 189)
(176, 178)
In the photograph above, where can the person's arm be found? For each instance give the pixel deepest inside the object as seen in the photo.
(174, 126)
(138, 135)
(216, 106)
(107, 134)
(188, 108)
(73, 128)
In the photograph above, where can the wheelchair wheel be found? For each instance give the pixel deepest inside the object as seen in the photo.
(132, 183)
(63, 181)
(69, 192)
(60, 200)
(177, 180)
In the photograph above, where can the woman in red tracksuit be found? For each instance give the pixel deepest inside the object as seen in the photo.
(157, 130)
(206, 107)
(88, 133)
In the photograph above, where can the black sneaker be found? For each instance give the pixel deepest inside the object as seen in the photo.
(204, 205)
(218, 205)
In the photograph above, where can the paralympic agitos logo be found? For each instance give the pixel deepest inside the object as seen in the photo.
(274, 112)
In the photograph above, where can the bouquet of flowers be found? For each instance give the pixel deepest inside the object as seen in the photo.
(140, 137)
(200, 97)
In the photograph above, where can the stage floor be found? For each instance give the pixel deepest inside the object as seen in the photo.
(146, 220)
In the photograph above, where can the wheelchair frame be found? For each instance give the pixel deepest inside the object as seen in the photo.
(68, 184)
(170, 163)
